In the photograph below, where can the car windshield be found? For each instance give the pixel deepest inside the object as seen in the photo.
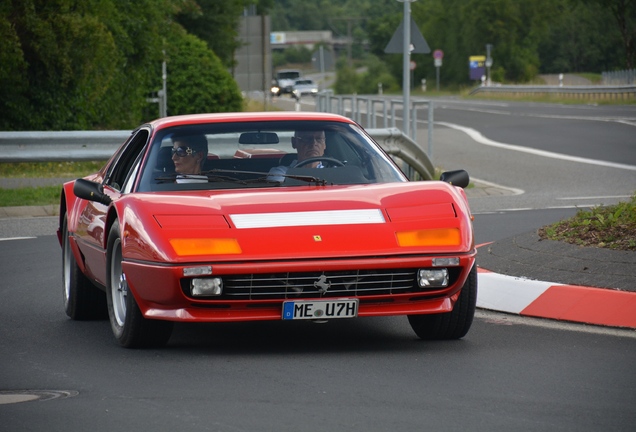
(288, 75)
(262, 154)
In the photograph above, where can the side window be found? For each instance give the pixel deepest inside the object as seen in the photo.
(130, 181)
(123, 166)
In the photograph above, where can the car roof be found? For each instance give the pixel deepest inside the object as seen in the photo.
(245, 117)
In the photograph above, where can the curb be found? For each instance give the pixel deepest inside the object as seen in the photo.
(526, 297)
(29, 211)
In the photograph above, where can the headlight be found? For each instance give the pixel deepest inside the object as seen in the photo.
(204, 287)
(432, 278)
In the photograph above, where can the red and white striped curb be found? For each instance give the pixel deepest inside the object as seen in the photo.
(605, 307)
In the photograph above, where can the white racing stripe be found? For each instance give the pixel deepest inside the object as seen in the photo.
(308, 218)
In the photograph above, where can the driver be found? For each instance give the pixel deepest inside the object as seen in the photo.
(308, 144)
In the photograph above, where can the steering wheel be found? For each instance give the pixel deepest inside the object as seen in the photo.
(327, 160)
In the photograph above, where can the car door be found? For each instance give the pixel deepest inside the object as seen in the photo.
(91, 231)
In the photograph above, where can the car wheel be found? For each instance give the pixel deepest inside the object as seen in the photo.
(82, 299)
(129, 326)
(454, 324)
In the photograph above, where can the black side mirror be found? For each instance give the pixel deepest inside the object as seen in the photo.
(90, 191)
(457, 178)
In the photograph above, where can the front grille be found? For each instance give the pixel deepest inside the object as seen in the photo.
(319, 284)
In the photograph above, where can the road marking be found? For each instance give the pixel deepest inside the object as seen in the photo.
(513, 191)
(16, 238)
(596, 197)
(478, 137)
(629, 121)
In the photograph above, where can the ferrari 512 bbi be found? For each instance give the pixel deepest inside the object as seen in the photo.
(264, 216)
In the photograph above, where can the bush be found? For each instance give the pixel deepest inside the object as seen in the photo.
(346, 78)
(612, 227)
(197, 80)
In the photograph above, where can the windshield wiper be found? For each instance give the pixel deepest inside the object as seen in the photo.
(207, 174)
(305, 178)
(263, 177)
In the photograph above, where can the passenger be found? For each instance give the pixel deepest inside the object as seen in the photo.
(308, 144)
(189, 153)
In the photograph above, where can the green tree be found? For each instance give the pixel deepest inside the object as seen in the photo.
(197, 80)
(624, 12)
(346, 78)
(83, 64)
(216, 22)
(569, 48)
(65, 60)
(377, 73)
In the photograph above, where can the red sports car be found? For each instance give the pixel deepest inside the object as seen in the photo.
(263, 216)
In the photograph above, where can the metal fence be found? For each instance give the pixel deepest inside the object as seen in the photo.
(624, 77)
(371, 110)
(596, 92)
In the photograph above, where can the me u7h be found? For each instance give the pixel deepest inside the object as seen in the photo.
(263, 216)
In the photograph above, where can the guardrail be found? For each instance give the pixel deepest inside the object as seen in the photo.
(60, 146)
(100, 145)
(366, 110)
(619, 92)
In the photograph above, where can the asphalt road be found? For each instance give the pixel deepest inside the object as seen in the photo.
(366, 374)
(372, 374)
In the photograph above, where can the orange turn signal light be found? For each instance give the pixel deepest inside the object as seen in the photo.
(429, 237)
(205, 246)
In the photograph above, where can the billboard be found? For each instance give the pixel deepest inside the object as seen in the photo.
(477, 67)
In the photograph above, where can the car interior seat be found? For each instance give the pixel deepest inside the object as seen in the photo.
(164, 160)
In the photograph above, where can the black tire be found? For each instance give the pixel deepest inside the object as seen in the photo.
(454, 324)
(82, 299)
(129, 326)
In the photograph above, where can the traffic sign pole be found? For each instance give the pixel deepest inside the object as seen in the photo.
(406, 81)
(438, 55)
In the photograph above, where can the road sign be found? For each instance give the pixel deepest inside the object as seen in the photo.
(476, 67)
(438, 62)
(438, 54)
(418, 43)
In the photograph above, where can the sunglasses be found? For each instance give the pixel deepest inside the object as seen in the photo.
(307, 140)
(183, 151)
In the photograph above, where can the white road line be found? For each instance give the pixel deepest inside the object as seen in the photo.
(629, 121)
(478, 137)
(16, 238)
(595, 197)
(514, 191)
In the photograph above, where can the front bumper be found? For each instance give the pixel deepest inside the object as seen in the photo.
(160, 294)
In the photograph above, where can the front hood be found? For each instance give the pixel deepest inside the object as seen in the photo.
(293, 223)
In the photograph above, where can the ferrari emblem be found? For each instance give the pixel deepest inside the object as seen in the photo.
(322, 284)
(317, 238)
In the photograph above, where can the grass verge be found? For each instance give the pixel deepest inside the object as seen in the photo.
(611, 227)
(30, 196)
(43, 195)
(49, 169)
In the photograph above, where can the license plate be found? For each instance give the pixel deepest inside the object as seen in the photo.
(320, 309)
